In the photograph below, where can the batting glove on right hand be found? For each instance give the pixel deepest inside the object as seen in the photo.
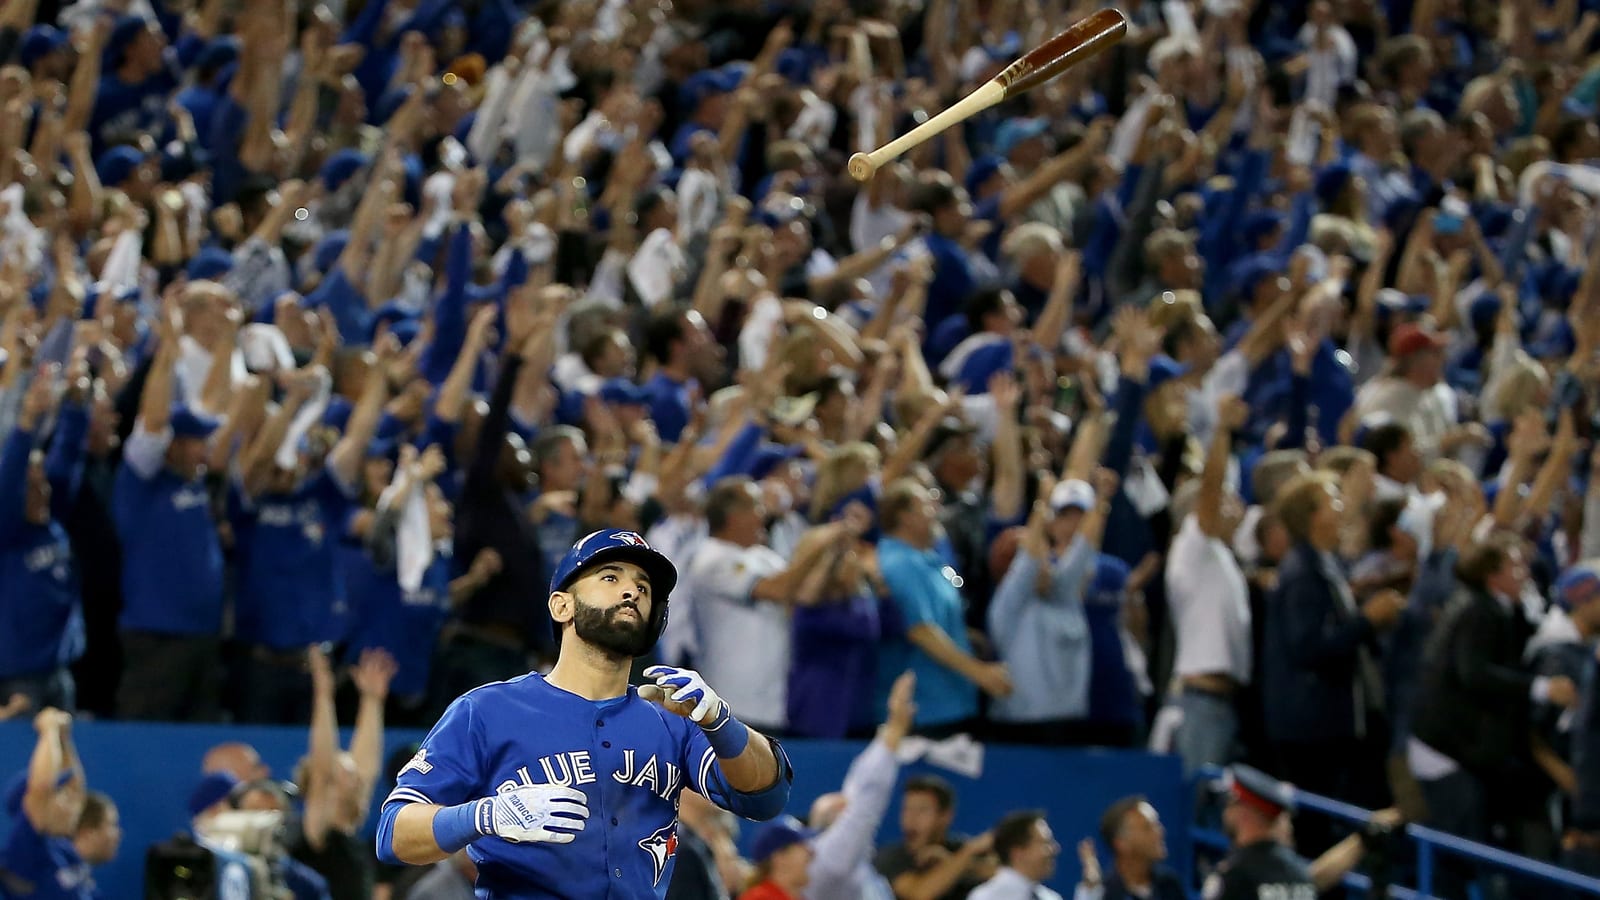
(539, 813)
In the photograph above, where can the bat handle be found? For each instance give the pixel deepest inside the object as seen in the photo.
(862, 166)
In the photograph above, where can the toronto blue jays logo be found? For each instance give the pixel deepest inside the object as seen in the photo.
(629, 538)
(662, 846)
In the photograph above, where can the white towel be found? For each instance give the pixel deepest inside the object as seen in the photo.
(413, 537)
(310, 414)
(960, 754)
(265, 348)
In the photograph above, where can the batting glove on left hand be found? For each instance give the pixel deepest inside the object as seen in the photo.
(684, 692)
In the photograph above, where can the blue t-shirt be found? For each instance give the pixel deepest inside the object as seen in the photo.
(171, 558)
(922, 586)
(629, 756)
(405, 623)
(290, 590)
(125, 112)
(41, 619)
(670, 405)
(41, 867)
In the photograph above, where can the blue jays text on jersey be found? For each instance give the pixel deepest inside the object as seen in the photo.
(630, 757)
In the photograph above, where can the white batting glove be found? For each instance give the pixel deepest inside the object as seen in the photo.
(539, 813)
(684, 692)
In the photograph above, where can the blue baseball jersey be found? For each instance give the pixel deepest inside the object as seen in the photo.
(628, 755)
(42, 867)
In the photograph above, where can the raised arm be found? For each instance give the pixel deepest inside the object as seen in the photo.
(344, 461)
(322, 756)
(1005, 501)
(372, 676)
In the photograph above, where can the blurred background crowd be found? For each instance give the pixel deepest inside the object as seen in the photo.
(1232, 395)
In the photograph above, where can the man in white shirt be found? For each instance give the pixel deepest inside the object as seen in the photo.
(743, 592)
(1414, 392)
(1210, 603)
(1027, 852)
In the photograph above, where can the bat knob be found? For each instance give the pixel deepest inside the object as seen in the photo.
(861, 167)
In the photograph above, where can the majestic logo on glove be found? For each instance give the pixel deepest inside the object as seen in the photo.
(662, 846)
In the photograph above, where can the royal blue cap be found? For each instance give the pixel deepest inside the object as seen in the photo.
(341, 166)
(983, 168)
(1260, 223)
(1577, 585)
(617, 546)
(38, 42)
(117, 164)
(327, 250)
(1247, 273)
(779, 834)
(212, 789)
(187, 423)
(210, 264)
(1331, 181)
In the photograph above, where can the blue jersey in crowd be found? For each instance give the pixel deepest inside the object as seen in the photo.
(290, 588)
(41, 619)
(171, 557)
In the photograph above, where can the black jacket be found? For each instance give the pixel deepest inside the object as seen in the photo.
(1311, 654)
(490, 515)
(1474, 700)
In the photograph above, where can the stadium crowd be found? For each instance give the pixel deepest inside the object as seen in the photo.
(1233, 394)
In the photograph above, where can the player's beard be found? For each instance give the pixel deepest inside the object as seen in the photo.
(610, 631)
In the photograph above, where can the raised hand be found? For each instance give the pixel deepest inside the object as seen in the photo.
(683, 692)
(40, 400)
(373, 673)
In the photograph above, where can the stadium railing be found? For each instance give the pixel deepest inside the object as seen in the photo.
(1429, 845)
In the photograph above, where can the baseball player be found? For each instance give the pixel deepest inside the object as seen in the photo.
(566, 785)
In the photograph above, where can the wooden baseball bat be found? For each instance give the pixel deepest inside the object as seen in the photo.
(1084, 40)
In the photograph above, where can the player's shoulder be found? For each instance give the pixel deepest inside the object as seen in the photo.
(487, 702)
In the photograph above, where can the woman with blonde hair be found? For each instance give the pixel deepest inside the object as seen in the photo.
(847, 470)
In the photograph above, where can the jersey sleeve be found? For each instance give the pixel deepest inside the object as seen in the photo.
(448, 767)
(704, 776)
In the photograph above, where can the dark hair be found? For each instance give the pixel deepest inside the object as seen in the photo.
(943, 794)
(727, 495)
(97, 807)
(1184, 329)
(1015, 831)
(596, 345)
(897, 499)
(933, 195)
(1385, 515)
(1385, 439)
(649, 201)
(981, 304)
(1111, 819)
(663, 329)
(1479, 562)
(832, 384)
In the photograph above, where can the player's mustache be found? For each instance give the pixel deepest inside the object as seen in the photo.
(617, 610)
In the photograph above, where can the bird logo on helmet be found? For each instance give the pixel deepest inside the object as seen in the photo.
(620, 546)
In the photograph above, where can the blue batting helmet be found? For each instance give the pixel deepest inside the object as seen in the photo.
(620, 546)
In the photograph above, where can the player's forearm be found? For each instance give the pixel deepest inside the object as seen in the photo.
(753, 770)
(407, 836)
